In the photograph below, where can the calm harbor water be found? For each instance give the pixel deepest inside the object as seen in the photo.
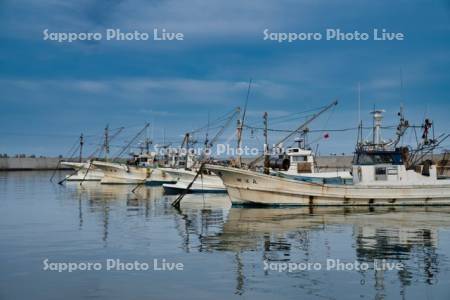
(226, 252)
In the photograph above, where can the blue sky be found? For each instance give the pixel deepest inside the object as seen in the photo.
(53, 91)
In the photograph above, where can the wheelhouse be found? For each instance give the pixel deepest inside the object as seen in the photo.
(378, 157)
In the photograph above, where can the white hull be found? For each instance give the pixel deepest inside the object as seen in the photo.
(83, 174)
(256, 188)
(115, 173)
(159, 176)
(205, 183)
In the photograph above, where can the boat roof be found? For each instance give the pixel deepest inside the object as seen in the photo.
(298, 151)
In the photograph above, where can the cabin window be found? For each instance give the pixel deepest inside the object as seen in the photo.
(380, 173)
(299, 158)
(377, 158)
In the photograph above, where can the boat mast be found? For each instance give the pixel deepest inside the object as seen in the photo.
(266, 145)
(299, 129)
(147, 141)
(106, 143)
(186, 142)
(240, 127)
(81, 147)
(402, 126)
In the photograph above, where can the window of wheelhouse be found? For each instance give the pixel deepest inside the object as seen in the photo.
(377, 158)
(380, 173)
(299, 158)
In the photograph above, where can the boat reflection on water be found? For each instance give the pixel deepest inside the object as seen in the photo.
(405, 235)
(243, 239)
(101, 198)
(97, 192)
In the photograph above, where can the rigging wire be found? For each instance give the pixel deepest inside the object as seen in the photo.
(316, 130)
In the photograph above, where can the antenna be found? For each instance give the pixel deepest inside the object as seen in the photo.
(164, 136)
(359, 137)
(207, 132)
(401, 84)
(152, 132)
(359, 102)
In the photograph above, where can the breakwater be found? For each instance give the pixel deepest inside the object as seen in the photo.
(50, 163)
(29, 163)
(323, 163)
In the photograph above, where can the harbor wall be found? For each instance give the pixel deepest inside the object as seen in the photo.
(50, 163)
(28, 163)
(334, 163)
(324, 163)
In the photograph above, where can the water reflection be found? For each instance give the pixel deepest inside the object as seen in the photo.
(408, 235)
(208, 224)
(100, 198)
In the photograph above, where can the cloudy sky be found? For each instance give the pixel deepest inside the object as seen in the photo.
(51, 92)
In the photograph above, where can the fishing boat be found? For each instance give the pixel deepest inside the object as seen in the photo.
(299, 163)
(142, 167)
(382, 174)
(185, 175)
(85, 171)
(159, 176)
(204, 183)
(135, 171)
(158, 168)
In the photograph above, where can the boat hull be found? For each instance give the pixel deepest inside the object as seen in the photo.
(159, 177)
(115, 173)
(203, 184)
(252, 187)
(179, 187)
(82, 173)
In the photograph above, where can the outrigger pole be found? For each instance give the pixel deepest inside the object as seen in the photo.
(300, 128)
(240, 127)
(132, 141)
(119, 130)
(106, 147)
(80, 145)
(204, 159)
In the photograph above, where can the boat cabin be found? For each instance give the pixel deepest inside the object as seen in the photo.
(389, 167)
(300, 161)
(143, 159)
(376, 166)
(379, 162)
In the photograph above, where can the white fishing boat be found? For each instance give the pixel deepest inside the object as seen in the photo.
(204, 183)
(382, 174)
(118, 173)
(298, 163)
(85, 171)
(136, 171)
(159, 176)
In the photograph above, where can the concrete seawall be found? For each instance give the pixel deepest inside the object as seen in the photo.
(50, 163)
(333, 163)
(28, 163)
(324, 163)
